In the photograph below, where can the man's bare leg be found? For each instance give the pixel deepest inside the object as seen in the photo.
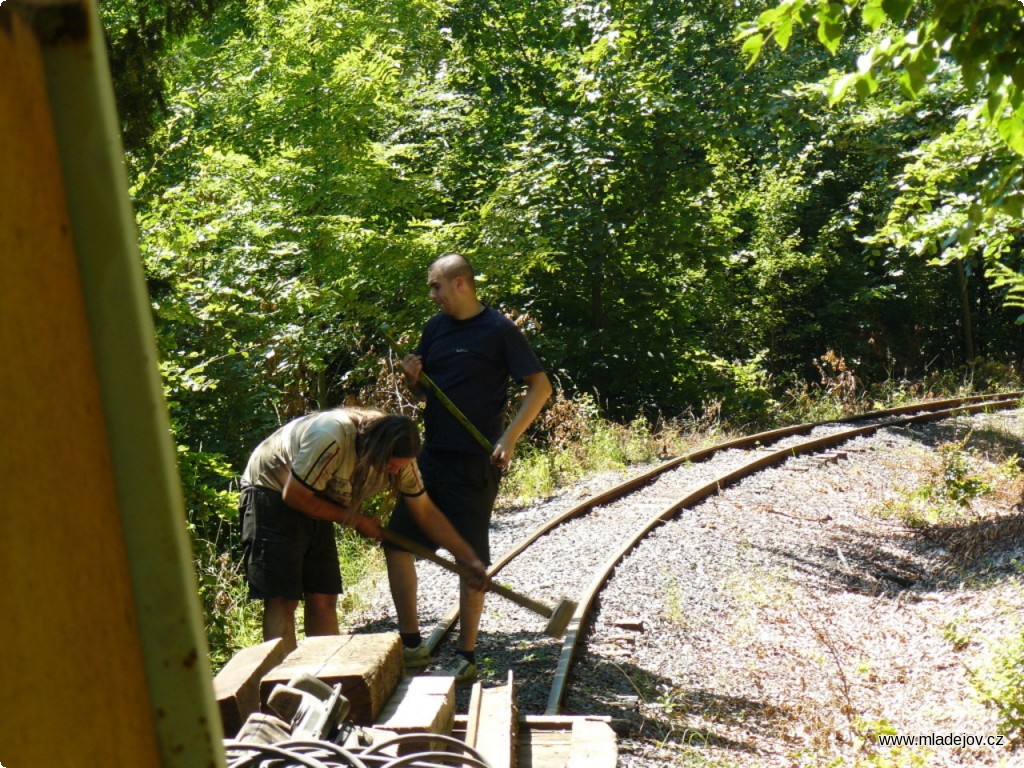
(404, 583)
(321, 614)
(471, 608)
(279, 620)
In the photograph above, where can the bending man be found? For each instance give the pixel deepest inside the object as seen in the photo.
(313, 472)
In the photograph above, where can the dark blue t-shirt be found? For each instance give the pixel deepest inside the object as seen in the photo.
(471, 361)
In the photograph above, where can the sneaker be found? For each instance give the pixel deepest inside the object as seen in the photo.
(417, 656)
(462, 669)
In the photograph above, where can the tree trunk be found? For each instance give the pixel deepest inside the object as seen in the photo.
(965, 311)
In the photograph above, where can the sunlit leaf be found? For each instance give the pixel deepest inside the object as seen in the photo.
(752, 48)
(830, 26)
(840, 87)
(873, 14)
(897, 10)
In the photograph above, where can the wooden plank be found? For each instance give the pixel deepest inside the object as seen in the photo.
(593, 745)
(473, 714)
(544, 748)
(541, 722)
(237, 686)
(494, 727)
(368, 666)
(420, 704)
(566, 741)
(559, 722)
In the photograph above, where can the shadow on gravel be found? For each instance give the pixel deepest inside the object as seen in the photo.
(889, 564)
(640, 703)
(868, 567)
(877, 557)
(372, 627)
(991, 439)
(531, 656)
(647, 706)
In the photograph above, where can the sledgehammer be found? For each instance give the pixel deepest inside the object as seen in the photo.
(558, 617)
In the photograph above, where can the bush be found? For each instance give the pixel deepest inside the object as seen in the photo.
(743, 388)
(573, 439)
(1000, 684)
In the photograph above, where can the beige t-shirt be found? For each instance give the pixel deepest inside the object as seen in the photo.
(320, 451)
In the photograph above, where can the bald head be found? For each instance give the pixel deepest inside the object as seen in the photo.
(452, 288)
(453, 265)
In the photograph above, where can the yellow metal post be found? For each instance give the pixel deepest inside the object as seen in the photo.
(103, 660)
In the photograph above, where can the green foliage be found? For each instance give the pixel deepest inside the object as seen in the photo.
(362, 562)
(958, 634)
(138, 35)
(676, 233)
(211, 506)
(958, 484)
(232, 620)
(960, 478)
(206, 477)
(743, 388)
(960, 199)
(867, 733)
(274, 225)
(983, 37)
(946, 500)
(667, 255)
(836, 396)
(580, 441)
(591, 196)
(674, 611)
(1000, 684)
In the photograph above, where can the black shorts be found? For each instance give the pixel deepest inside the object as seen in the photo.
(464, 487)
(286, 553)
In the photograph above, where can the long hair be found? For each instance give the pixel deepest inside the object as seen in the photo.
(381, 437)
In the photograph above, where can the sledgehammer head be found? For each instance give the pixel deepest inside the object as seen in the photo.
(560, 618)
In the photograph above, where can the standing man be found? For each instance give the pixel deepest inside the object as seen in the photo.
(471, 352)
(309, 474)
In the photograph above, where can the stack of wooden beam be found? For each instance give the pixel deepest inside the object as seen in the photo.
(385, 702)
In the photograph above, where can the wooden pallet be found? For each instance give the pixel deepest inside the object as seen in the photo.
(493, 727)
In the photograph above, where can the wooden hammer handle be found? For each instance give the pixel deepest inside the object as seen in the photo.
(418, 549)
(453, 409)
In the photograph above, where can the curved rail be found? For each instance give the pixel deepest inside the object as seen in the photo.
(1006, 399)
(586, 600)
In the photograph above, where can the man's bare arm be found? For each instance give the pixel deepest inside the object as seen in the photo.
(412, 367)
(433, 522)
(298, 496)
(538, 391)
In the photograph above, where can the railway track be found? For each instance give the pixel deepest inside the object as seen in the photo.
(574, 553)
(614, 552)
